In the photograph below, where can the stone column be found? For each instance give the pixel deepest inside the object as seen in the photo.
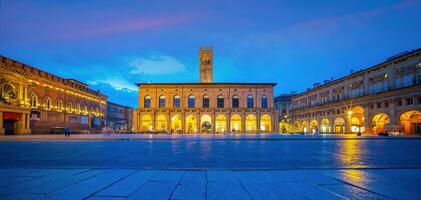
(198, 128)
(393, 118)
(183, 122)
(213, 130)
(169, 121)
(243, 122)
(331, 124)
(258, 122)
(1, 124)
(228, 127)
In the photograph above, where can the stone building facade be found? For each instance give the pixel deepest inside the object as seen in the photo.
(382, 98)
(283, 104)
(34, 101)
(206, 107)
(119, 117)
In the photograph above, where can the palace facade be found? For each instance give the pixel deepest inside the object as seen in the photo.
(206, 107)
(384, 97)
(34, 101)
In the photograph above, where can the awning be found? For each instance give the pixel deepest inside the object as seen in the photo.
(12, 116)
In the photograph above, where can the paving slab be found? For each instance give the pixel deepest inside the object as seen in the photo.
(191, 187)
(90, 186)
(128, 185)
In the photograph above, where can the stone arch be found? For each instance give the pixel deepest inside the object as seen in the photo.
(411, 122)
(235, 123)
(266, 123)
(161, 123)
(221, 123)
(339, 125)
(314, 126)
(146, 123)
(251, 123)
(325, 125)
(304, 124)
(206, 123)
(176, 124)
(378, 121)
(191, 123)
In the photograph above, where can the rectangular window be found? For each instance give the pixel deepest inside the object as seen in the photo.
(220, 102)
(205, 102)
(162, 103)
(147, 103)
(235, 103)
(191, 103)
(356, 92)
(376, 87)
(398, 83)
(407, 80)
(399, 103)
(379, 105)
(249, 102)
(409, 101)
(264, 103)
(176, 102)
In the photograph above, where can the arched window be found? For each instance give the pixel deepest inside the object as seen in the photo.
(235, 101)
(8, 92)
(59, 105)
(69, 107)
(147, 102)
(264, 102)
(78, 108)
(220, 101)
(85, 109)
(34, 101)
(176, 101)
(250, 101)
(162, 101)
(190, 102)
(206, 101)
(47, 103)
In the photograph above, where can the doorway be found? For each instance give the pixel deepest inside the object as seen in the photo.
(9, 126)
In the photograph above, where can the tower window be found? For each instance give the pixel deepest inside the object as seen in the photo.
(220, 101)
(191, 102)
(205, 101)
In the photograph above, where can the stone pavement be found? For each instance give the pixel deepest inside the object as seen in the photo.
(196, 185)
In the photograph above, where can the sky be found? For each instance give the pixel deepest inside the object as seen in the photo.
(113, 44)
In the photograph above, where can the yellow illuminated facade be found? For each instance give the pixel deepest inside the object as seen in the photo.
(382, 98)
(206, 107)
(33, 101)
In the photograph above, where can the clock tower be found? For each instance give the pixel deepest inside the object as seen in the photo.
(206, 64)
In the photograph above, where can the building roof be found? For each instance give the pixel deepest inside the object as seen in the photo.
(271, 84)
(389, 60)
(119, 105)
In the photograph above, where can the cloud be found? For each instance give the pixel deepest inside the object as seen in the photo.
(117, 83)
(156, 65)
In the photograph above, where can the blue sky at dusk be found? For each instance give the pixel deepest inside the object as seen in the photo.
(113, 44)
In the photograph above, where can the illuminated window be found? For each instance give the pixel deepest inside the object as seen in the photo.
(34, 101)
(264, 102)
(85, 109)
(176, 102)
(59, 105)
(147, 102)
(47, 103)
(220, 101)
(162, 101)
(190, 102)
(69, 107)
(235, 102)
(249, 101)
(205, 101)
(78, 108)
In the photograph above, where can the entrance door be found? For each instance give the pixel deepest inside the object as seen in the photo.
(9, 127)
